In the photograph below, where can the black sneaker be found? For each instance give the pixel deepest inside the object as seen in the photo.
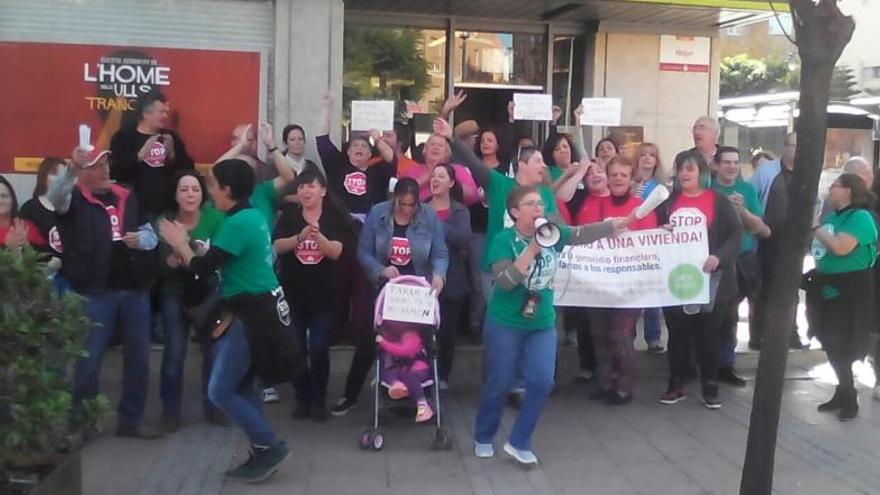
(262, 463)
(343, 406)
(710, 397)
(139, 431)
(728, 375)
(834, 404)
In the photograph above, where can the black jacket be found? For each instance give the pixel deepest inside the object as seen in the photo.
(88, 241)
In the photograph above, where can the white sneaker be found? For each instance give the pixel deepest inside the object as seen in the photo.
(484, 450)
(525, 457)
(270, 395)
(877, 392)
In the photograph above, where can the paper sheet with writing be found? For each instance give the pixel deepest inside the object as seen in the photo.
(370, 115)
(603, 112)
(409, 303)
(528, 106)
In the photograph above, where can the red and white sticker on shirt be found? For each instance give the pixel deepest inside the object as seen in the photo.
(155, 155)
(307, 252)
(115, 222)
(55, 240)
(401, 253)
(356, 183)
(687, 217)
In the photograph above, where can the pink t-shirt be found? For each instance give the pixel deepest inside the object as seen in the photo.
(462, 176)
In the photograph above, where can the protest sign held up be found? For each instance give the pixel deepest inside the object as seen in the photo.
(642, 269)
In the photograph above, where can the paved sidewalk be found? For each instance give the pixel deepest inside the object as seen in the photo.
(584, 447)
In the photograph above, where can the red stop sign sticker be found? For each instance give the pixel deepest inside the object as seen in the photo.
(55, 240)
(155, 155)
(401, 254)
(356, 183)
(307, 252)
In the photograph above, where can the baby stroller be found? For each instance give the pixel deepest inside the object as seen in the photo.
(373, 438)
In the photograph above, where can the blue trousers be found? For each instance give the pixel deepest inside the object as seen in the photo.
(506, 349)
(652, 325)
(176, 330)
(313, 329)
(231, 386)
(128, 313)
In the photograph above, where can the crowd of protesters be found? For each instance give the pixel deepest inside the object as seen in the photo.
(268, 263)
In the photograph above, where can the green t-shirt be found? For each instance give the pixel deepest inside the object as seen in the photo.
(500, 186)
(210, 222)
(857, 223)
(265, 199)
(555, 173)
(506, 307)
(245, 235)
(750, 201)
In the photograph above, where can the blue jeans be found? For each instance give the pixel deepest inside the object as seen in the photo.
(313, 330)
(176, 329)
(128, 312)
(506, 349)
(61, 285)
(652, 326)
(231, 385)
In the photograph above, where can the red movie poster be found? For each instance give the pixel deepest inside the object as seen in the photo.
(47, 90)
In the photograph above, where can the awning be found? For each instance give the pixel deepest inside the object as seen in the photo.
(686, 13)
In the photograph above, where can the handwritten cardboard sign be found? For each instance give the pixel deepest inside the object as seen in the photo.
(601, 111)
(528, 106)
(409, 303)
(370, 115)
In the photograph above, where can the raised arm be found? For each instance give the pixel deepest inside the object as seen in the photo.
(463, 153)
(579, 134)
(452, 103)
(285, 173)
(565, 187)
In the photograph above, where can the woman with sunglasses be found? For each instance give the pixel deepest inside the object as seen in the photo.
(845, 249)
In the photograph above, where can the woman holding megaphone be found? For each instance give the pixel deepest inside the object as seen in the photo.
(520, 326)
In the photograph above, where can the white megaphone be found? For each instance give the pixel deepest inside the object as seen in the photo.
(547, 233)
(657, 197)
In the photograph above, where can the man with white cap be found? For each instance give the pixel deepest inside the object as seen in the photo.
(107, 238)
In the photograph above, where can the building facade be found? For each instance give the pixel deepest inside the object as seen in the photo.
(228, 61)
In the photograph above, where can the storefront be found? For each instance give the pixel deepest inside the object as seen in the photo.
(228, 61)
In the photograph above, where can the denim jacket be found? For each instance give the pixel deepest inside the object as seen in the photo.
(425, 233)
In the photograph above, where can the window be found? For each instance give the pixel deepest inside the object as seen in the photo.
(569, 56)
(400, 64)
(499, 58)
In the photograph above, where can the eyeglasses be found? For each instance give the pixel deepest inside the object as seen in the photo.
(401, 204)
(533, 203)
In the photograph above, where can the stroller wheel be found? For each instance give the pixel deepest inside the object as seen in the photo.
(442, 440)
(377, 440)
(365, 439)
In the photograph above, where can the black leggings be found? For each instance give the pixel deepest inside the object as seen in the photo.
(450, 311)
(700, 333)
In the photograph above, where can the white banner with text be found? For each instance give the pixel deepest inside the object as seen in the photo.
(639, 269)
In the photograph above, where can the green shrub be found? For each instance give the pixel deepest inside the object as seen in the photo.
(40, 336)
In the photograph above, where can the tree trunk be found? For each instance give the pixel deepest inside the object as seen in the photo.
(821, 34)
